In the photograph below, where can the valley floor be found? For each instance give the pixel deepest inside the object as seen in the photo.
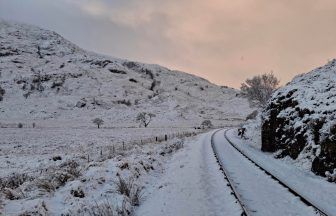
(59, 172)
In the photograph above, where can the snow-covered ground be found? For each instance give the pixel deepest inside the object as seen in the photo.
(58, 171)
(28, 150)
(192, 185)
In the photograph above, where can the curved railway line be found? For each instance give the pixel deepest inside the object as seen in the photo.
(234, 186)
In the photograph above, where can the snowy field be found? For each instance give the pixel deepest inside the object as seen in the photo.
(59, 171)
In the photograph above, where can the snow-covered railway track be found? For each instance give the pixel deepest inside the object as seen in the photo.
(290, 189)
(257, 190)
(245, 212)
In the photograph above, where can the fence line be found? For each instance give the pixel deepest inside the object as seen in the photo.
(112, 150)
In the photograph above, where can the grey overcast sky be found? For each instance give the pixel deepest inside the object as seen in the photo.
(224, 41)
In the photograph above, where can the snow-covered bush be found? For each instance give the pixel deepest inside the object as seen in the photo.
(260, 88)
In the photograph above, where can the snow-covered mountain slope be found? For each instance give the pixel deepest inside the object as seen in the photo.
(47, 79)
(300, 120)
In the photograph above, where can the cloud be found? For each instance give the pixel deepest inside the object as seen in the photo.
(224, 41)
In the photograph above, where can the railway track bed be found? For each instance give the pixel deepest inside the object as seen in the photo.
(257, 190)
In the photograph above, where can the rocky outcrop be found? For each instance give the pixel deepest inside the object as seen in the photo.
(300, 120)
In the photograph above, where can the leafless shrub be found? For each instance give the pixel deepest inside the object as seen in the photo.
(124, 186)
(14, 180)
(126, 209)
(136, 195)
(260, 88)
(45, 185)
(13, 194)
(130, 189)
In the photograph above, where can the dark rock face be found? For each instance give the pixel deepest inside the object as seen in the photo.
(300, 120)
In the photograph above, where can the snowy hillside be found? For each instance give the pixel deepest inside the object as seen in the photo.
(48, 80)
(300, 120)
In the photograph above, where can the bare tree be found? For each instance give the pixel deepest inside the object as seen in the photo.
(260, 87)
(206, 124)
(98, 122)
(144, 118)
